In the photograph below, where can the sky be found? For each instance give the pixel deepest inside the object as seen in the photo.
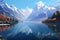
(27, 3)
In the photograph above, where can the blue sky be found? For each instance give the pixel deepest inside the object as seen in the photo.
(27, 3)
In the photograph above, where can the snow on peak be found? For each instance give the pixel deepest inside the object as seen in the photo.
(26, 12)
(39, 4)
(7, 5)
(14, 7)
(41, 11)
(50, 8)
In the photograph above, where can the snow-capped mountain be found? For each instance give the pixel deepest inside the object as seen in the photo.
(11, 11)
(26, 12)
(56, 5)
(41, 11)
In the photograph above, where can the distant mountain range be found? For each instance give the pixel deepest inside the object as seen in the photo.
(39, 13)
(13, 12)
(9, 10)
(42, 11)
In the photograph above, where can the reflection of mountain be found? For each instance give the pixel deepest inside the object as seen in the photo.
(3, 28)
(34, 31)
(23, 36)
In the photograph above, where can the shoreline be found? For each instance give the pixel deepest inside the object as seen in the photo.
(4, 24)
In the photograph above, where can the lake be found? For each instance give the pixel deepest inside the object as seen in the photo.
(31, 31)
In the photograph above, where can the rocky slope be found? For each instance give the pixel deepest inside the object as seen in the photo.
(55, 18)
(6, 20)
(54, 22)
(7, 14)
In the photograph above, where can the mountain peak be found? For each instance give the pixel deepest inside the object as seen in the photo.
(39, 4)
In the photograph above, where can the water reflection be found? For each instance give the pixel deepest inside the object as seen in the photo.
(4, 27)
(55, 27)
(28, 30)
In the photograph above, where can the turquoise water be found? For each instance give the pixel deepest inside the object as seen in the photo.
(27, 28)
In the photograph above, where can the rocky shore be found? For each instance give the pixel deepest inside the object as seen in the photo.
(54, 22)
(7, 20)
(54, 19)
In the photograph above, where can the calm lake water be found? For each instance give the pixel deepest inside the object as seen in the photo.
(30, 31)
